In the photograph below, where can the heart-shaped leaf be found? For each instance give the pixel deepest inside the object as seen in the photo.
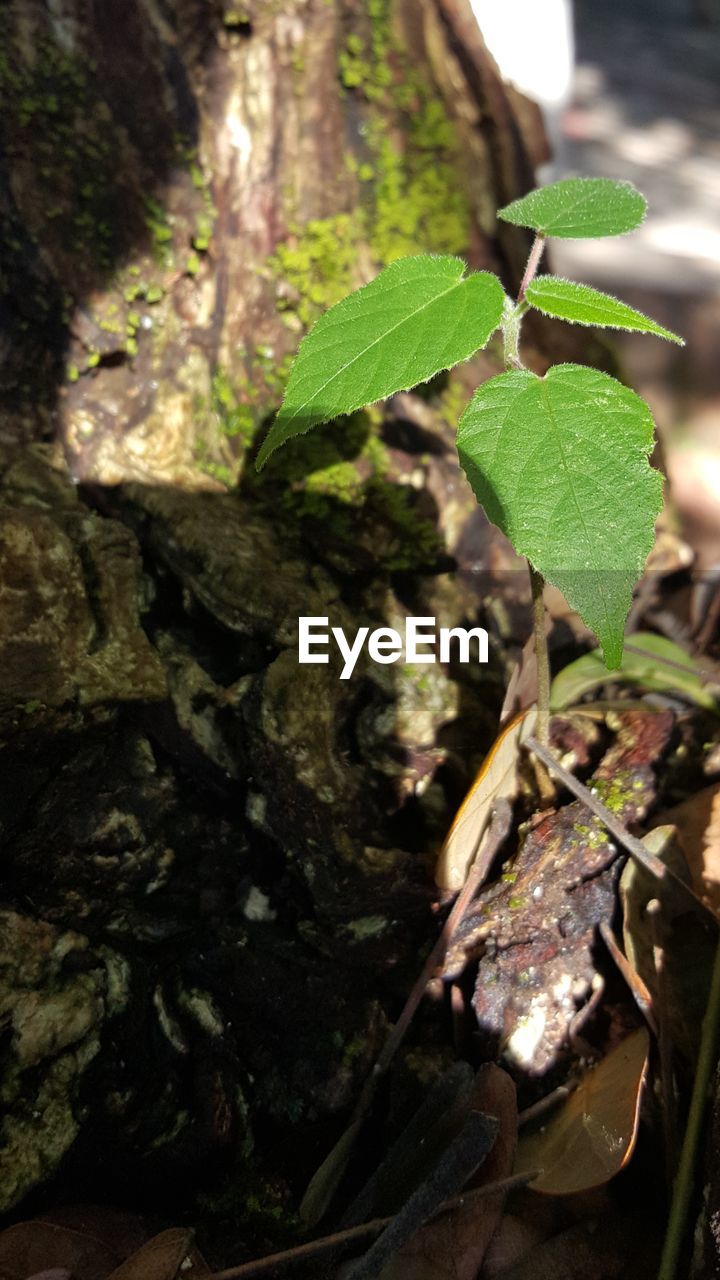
(579, 208)
(582, 305)
(560, 465)
(418, 317)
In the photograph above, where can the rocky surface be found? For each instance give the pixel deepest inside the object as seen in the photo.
(206, 845)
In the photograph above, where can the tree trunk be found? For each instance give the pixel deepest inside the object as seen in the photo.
(207, 847)
(189, 185)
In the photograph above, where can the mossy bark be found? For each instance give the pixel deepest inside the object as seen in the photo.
(188, 186)
(203, 851)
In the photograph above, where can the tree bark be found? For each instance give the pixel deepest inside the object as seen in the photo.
(204, 851)
(158, 156)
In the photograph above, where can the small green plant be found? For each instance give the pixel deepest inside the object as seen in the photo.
(560, 462)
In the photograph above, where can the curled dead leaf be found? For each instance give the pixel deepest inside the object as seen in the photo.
(162, 1258)
(497, 779)
(30, 1248)
(697, 823)
(592, 1134)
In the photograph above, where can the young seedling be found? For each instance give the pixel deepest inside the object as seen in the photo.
(559, 463)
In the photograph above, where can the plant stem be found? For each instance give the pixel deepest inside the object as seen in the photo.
(677, 1222)
(542, 729)
(350, 1234)
(533, 263)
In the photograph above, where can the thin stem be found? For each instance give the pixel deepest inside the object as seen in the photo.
(511, 334)
(677, 1222)
(313, 1247)
(512, 357)
(542, 729)
(658, 869)
(533, 263)
(497, 833)
(653, 913)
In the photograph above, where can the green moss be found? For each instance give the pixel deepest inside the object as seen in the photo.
(593, 836)
(234, 407)
(290, 469)
(416, 541)
(413, 201)
(342, 482)
(203, 232)
(50, 108)
(355, 72)
(615, 792)
(453, 401)
(213, 466)
(319, 263)
(419, 203)
(226, 422)
(160, 230)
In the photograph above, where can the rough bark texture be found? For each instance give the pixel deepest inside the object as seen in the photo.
(216, 862)
(157, 158)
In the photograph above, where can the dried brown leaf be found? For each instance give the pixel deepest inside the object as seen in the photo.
(496, 779)
(160, 1259)
(591, 1135)
(672, 950)
(119, 1230)
(698, 833)
(453, 1246)
(31, 1247)
(597, 1250)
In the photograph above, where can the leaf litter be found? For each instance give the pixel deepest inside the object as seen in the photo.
(531, 940)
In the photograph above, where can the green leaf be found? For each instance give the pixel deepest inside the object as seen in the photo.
(560, 465)
(417, 317)
(649, 660)
(582, 305)
(579, 208)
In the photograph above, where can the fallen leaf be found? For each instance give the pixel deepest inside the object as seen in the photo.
(32, 1247)
(590, 1137)
(459, 1162)
(522, 689)
(649, 661)
(417, 1149)
(119, 1230)
(55, 1273)
(515, 1237)
(160, 1259)
(496, 779)
(676, 937)
(454, 1244)
(326, 1179)
(618, 1246)
(697, 821)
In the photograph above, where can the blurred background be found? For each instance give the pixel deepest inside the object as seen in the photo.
(632, 91)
